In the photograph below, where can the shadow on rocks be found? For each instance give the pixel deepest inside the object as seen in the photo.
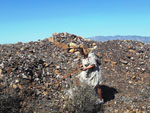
(9, 104)
(108, 93)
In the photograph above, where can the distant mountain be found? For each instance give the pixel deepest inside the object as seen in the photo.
(137, 38)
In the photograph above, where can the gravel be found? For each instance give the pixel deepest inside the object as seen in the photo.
(31, 70)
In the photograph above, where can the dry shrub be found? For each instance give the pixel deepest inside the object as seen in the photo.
(11, 99)
(9, 103)
(83, 101)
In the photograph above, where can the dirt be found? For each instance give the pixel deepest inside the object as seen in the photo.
(29, 73)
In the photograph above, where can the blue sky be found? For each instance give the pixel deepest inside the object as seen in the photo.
(30, 20)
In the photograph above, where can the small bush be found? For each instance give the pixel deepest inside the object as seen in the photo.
(83, 101)
(9, 104)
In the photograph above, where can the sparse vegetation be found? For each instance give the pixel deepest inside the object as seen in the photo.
(83, 101)
(9, 103)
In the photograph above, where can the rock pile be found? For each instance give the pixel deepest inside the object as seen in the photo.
(125, 56)
(31, 70)
(125, 67)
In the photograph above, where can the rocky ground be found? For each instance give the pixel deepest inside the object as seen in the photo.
(29, 73)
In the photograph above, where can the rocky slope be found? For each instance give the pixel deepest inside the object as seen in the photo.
(29, 71)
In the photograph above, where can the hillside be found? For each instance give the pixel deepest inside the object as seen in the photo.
(29, 71)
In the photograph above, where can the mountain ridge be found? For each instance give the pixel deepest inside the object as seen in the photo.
(145, 39)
